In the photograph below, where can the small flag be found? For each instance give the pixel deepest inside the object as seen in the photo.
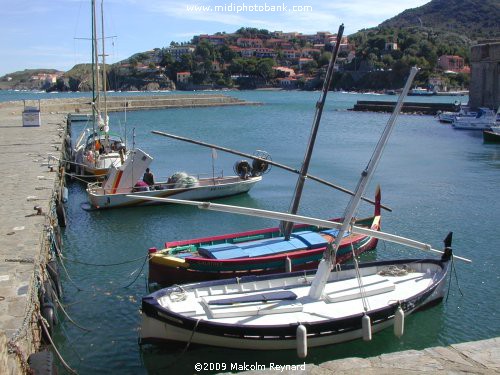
(214, 153)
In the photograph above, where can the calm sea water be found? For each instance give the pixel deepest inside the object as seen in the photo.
(434, 178)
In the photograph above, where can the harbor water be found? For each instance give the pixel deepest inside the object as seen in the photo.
(434, 178)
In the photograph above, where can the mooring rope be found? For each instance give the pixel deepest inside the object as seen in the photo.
(46, 331)
(104, 265)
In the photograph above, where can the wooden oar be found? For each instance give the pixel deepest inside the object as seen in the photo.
(297, 219)
(270, 162)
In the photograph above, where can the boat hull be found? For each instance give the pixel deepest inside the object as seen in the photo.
(162, 324)
(223, 187)
(165, 271)
(491, 136)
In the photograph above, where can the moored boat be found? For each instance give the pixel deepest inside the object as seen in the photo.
(255, 252)
(298, 310)
(484, 120)
(492, 135)
(120, 188)
(275, 312)
(96, 149)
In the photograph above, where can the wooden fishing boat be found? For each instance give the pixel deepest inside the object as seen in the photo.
(119, 187)
(275, 312)
(255, 252)
(305, 309)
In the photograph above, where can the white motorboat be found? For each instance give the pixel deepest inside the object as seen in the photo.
(484, 119)
(120, 185)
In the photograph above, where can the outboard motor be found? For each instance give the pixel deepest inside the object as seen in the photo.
(243, 169)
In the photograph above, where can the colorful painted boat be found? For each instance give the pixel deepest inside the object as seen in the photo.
(256, 252)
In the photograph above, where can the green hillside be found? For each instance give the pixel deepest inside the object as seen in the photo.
(475, 19)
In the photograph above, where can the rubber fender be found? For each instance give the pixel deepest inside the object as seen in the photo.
(42, 363)
(54, 274)
(49, 315)
(58, 238)
(61, 214)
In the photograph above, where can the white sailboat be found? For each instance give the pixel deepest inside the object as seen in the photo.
(97, 150)
(301, 309)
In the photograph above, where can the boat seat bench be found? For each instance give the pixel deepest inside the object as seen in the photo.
(306, 240)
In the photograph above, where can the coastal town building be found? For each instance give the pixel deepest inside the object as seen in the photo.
(249, 42)
(183, 77)
(453, 63)
(178, 51)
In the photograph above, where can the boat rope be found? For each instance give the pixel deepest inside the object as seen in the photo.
(44, 325)
(62, 258)
(454, 271)
(191, 337)
(67, 336)
(456, 275)
(59, 303)
(393, 270)
(104, 265)
(362, 289)
(178, 296)
(138, 274)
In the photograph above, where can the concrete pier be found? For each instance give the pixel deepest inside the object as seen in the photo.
(478, 357)
(408, 107)
(24, 246)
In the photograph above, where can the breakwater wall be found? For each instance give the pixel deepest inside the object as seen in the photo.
(130, 103)
(408, 107)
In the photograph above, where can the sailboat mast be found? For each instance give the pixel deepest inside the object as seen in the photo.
(321, 277)
(93, 63)
(97, 99)
(299, 187)
(104, 80)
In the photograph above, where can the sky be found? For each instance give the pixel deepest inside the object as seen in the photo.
(45, 33)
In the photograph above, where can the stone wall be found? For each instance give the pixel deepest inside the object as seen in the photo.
(485, 75)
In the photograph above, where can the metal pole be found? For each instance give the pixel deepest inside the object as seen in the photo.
(287, 225)
(324, 268)
(270, 162)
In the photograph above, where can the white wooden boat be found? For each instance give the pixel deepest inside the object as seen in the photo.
(119, 187)
(276, 312)
(301, 309)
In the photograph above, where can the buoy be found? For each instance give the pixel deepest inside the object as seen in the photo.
(366, 327)
(399, 322)
(301, 341)
(288, 264)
